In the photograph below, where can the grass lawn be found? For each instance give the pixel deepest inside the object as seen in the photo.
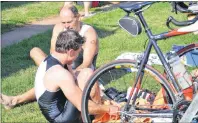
(18, 70)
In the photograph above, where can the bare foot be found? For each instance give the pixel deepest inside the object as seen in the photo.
(8, 101)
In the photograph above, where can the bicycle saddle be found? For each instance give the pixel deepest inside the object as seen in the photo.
(133, 7)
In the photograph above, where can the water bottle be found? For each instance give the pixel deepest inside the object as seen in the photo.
(182, 76)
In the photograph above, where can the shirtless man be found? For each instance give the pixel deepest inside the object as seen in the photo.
(69, 19)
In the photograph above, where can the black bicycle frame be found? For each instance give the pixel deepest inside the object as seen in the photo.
(153, 43)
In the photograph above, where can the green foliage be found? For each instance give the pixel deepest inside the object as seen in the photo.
(18, 73)
(15, 14)
(18, 70)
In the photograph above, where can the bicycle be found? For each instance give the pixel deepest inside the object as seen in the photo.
(112, 74)
(191, 111)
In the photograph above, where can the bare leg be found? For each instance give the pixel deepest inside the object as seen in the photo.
(115, 2)
(11, 101)
(86, 7)
(82, 80)
(37, 55)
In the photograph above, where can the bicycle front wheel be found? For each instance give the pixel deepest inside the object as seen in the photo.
(116, 78)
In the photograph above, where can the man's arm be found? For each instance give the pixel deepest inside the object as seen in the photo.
(67, 84)
(73, 93)
(90, 48)
(56, 30)
(73, 72)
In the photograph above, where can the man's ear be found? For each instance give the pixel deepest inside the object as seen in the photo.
(78, 17)
(71, 52)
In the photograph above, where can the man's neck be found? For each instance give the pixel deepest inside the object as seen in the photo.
(79, 26)
(60, 57)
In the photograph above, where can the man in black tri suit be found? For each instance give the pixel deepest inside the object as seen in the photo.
(69, 19)
(57, 90)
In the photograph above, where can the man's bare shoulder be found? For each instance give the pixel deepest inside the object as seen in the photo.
(57, 72)
(91, 32)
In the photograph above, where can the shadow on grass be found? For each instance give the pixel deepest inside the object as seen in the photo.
(102, 33)
(108, 8)
(24, 32)
(16, 57)
(10, 25)
(7, 5)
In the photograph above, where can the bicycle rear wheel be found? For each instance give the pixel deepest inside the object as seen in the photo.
(120, 75)
(189, 55)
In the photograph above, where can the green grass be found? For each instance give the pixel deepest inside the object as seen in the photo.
(16, 14)
(18, 70)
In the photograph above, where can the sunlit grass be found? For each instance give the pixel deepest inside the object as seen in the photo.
(18, 70)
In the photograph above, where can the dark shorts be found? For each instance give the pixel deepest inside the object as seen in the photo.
(79, 61)
(70, 114)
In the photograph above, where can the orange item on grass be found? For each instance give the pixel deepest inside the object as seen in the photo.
(142, 120)
(106, 117)
(160, 101)
(188, 93)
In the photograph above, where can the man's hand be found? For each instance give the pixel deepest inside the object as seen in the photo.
(113, 114)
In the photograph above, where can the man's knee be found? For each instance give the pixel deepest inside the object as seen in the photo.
(37, 55)
(83, 77)
(85, 74)
(34, 51)
(87, 71)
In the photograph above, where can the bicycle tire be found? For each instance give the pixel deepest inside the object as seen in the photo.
(188, 55)
(187, 51)
(114, 66)
(190, 51)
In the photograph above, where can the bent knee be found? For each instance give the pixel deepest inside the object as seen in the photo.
(37, 55)
(34, 51)
(83, 77)
(87, 71)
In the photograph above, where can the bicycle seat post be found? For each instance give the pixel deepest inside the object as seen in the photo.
(143, 21)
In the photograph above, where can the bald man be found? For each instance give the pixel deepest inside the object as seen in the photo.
(69, 19)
